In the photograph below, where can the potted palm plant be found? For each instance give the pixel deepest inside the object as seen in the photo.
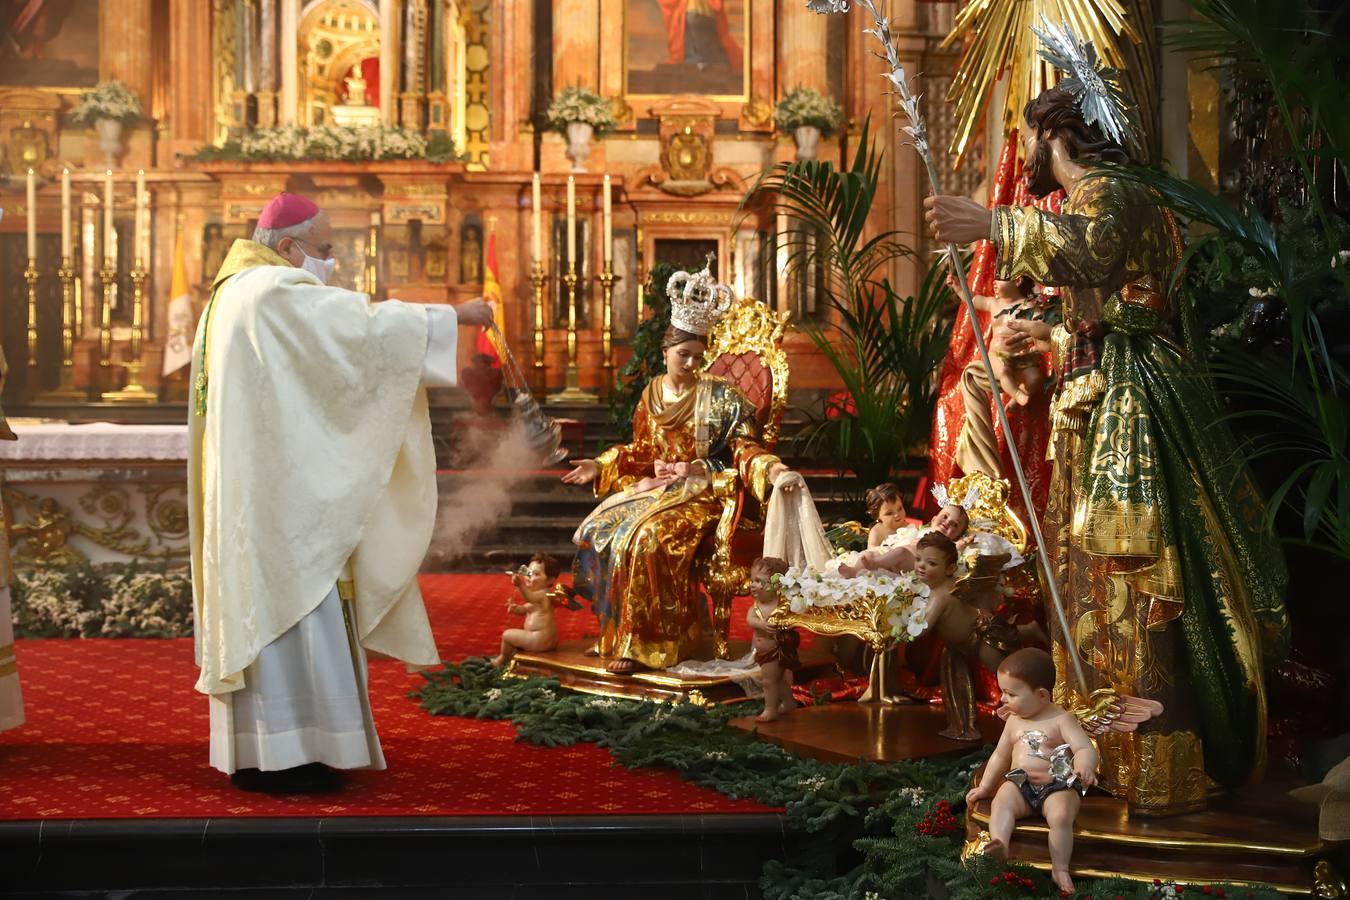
(807, 115)
(580, 114)
(108, 107)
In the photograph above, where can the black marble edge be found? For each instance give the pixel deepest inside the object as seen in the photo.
(63, 830)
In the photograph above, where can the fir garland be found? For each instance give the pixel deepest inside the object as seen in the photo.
(893, 824)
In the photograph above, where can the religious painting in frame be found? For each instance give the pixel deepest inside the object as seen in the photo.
(676, 47)
(49, 44)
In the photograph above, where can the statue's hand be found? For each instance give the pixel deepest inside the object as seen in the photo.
(957, 220)
(584, 473)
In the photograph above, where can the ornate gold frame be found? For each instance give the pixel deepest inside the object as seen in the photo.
(752, 109)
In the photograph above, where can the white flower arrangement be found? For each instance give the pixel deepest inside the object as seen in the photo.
(333, 142)
(804, 106)
(109, 100)
(577, 104)
(1264, 292)
(906, 597)
(1341, 258)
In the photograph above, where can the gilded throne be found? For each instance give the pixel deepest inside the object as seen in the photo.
(746, 348)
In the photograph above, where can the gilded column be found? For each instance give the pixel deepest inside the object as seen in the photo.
(125, 49)
(289, 40)
(389, 57)
(412, 98)
(801, 48)
(576, 44)
(190, 62)
(267, 63)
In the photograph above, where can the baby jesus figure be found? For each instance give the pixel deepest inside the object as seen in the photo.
(539, 632)
(897, 554)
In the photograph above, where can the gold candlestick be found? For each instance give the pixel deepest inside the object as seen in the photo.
(572, 392)
(607, 279)
(134, 392)
(30, 275)
(65, 391)
(373, 257)
(107, 276)
(538, 279)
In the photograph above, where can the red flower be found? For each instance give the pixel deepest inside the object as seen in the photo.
(840, 404)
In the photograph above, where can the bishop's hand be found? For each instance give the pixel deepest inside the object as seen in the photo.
(584, 473)
(475, 312)
(957, 220)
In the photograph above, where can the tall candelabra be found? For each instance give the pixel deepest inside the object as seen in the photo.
(572, 392)
(134, 392)
(607, 279)
(65, 391)
(537, 280)
(107, 276)
(30, 275)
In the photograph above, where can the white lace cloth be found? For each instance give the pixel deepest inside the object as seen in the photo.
(95, 441)
(743, 671)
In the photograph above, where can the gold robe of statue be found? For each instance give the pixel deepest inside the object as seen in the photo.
(636, 551)
(1173, 587)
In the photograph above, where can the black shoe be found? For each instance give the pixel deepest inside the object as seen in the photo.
(311, 778)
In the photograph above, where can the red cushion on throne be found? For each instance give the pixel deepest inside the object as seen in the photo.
(748, 374)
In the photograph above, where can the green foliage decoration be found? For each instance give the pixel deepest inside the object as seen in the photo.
(863, 826)
(107, 600)
(647, 361)
(884, 348)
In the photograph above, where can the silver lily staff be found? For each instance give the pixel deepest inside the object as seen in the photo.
(916, 129)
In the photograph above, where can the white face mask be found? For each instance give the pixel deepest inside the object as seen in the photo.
(321, 269)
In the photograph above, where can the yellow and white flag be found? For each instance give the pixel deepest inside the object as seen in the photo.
(178, 337)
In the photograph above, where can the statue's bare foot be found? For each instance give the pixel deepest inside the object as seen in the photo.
(1062, 880)
(787, 706)
(621, 667)
(955, 735)
(593, 651)
(769, 715)
(497, 661)
(996, 849)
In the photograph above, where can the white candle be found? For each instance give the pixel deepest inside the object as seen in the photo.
(108, 218)
(32, 215)
(535, 206)
(609, 225)
(571, 221)
(141, 240)
(65, 214)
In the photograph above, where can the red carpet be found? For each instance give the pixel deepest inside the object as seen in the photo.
(115, 730)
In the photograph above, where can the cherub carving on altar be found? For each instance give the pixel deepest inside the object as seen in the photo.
(696, 447)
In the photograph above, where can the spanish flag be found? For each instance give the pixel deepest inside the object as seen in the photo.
(492, 293)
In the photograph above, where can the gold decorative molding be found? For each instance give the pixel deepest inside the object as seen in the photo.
(683, 217)
(757, 113)
(109, 514)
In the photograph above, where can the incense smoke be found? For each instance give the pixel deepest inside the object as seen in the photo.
(499, 462)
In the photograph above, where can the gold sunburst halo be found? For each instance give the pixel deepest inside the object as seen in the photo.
(1001, 40)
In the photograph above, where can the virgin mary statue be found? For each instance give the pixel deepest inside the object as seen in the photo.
(695, 443)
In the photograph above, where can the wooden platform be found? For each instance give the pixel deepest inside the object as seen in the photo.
(587, 674)
(1254, 834)
(847, 732)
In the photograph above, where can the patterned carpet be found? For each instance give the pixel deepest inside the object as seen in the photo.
(115, 730)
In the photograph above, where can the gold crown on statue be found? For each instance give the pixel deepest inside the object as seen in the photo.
(697, 301)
